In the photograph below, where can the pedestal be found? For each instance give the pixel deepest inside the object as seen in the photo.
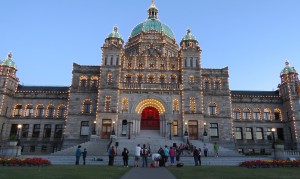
(205, 139)
(185, 139)
(279, 152)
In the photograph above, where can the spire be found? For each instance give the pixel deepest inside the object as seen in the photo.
(152, 11)
(9, 56)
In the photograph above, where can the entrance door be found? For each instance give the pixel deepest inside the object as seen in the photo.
(106, 129)
(193, 130)
(150, 119)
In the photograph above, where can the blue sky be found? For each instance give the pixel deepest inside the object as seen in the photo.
(252, 37)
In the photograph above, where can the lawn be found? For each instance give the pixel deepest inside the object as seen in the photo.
(233, 172)
(63, 171)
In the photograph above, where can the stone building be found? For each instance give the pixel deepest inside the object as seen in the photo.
(148, 83)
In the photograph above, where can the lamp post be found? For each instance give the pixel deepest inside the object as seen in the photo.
(129, 123)
(94, 129)
(170, 124)
(186, 132)
(113, 130)
(18, 138)
(273, 144)
(204, 133)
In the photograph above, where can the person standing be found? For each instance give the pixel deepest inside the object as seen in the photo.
(125, 155)
(178, 153)
(167, 154)
(111, 156)
(205, 150)
(195, 155)
(216, 149)
(144, 154)
(137, 155)
(172, 155)
(199, 156)
(78, 154)
(84, 153)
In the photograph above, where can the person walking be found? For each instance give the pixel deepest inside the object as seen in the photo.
(137, 155)
(199, 156)
(125, 155)
(111, 156)
(205, 150)
(78, 154)
(195, 155)
(172, 155)
(144, 154)
(84, 153)
(216, 149)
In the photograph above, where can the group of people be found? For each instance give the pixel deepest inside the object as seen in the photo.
(159, 158)
(78, 154)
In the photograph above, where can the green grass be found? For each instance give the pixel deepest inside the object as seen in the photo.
(233, 172)
(63, 171)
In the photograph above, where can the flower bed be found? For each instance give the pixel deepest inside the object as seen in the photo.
(270, 163)
(24, 162)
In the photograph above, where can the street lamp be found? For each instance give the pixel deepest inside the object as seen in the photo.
(113, 130)
(273, 144)
(204, 133)
(186, 132)
(18, 138)
(129, 123)
(170, 124)
(94, 129)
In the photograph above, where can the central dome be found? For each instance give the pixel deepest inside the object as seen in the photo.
(152, 23)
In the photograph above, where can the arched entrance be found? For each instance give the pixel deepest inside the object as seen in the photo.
(150, 119)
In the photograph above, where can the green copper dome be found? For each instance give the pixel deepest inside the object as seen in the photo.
(8, 62)
(288, 69)
(152, 24)
(115, 34)
(189, 36)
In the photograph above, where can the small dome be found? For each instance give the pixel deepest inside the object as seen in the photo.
(189, 36)
(8, 61)
(288, 69)
(115, 34)
(152, 24)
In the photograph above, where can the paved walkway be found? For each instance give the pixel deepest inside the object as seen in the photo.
(148, 173)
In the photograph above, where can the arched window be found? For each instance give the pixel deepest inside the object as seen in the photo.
(139, 78)
(193, 105)
(87, 106)
(192, 79)
(40, 110)
(50, 110)
(212, 109)
(173, 78)
(237, 114)
(128, 78)
(125, 104)
(277, 114)
(83, 81)
(94, 81)
(246, 114)
(18, 110)
(206, 84)
(109, 78)
(256, 114)
(107, 103)
(162, 78)
(151, 78)
(267, 114)
(61, 111)
(29, 110)
(218, 85)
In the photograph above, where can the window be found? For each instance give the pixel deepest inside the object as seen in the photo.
(206, 85)
(25, 130)
(246, 114)
(151, 78)
(105, 60)
(61, 111)
(214, 132)
(256, 114)
(176, 105)
(109, 78)
(277, 114)
(85, 129)
(36, 130)
(192, 105)
(50, 111)
(191, 62)
(40, 111)
(259, 133)
(241, 150)
(238, 133)
(29, 110)
(18, 110)
(44, 149)
(267, 114)
(83, 81)
(236, 114)
(87, 107)
(212, 109)
(47, 130)
(185, 62)
(112, 60)
(117, 60)
(173, 79)
(249, 134)
(107, 103)
(58, 131)
(124, 127)
(217, 85)
(162, 79)
(175, 128)
(129, 65)
(151, 65)
(139, 78)
(94, 82)
(269, 134)
(125, 104)
(128, 78)
(192, 79)
(140, 65)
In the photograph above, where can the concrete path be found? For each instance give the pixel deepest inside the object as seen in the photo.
(148, 173)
